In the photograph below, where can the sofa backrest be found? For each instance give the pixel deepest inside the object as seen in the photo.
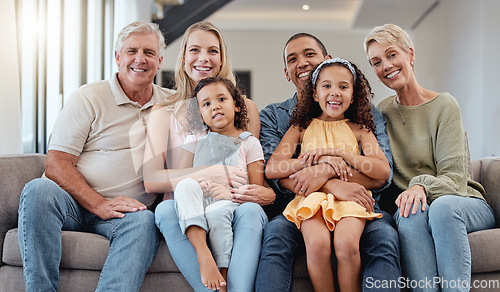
(15, 172)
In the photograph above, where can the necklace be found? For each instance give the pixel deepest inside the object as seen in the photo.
(399, 112)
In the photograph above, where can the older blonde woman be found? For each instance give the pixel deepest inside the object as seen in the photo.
(437, 202)
(203, 53)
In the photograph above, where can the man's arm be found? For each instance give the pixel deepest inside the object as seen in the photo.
(69, 136)
(61, 168)
(270, 137)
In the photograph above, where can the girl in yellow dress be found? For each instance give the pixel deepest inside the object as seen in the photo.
(331, 121)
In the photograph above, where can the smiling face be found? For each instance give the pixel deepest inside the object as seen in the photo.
(217, 108)
(391, 64)
(301, 56)
(138, 60)
(202, 57)
(334, 91)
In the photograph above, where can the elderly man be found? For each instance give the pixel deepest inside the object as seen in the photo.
(90, 181)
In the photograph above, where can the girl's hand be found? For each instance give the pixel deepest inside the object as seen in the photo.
(311, 157)
(341, 168)
(411, 196)
(219, 192)
(205, 187)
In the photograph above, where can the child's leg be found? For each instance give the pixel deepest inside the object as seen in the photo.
(210, 275)
(318, 250)
(346, 238)
(188, 198)
(220, 216)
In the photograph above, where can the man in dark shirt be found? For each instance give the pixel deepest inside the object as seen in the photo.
(379, 245)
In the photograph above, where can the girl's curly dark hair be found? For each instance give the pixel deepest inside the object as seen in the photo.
(194, 114)
(359, 111)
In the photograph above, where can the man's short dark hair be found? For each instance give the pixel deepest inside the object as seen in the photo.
(307, 35)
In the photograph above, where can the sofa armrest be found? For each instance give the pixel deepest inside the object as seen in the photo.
(490, 179)
(475, 170)
(15, 172)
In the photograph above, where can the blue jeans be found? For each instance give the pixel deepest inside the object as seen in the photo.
(434, 243)
(45, 210)
(379, 249)
(248, 225)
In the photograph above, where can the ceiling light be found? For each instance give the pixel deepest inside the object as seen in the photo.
(305, 7)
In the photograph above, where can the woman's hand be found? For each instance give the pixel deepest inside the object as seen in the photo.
(253, 193)
(341, 168)
(410, 197)
(228, 176)
(219, 192)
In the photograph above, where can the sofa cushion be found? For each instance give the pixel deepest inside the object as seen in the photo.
(85, 251)
(484, 250)
(81, 250)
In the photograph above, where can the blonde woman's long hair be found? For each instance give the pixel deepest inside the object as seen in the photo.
(183, 85)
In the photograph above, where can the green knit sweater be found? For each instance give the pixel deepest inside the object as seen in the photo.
(429, 147)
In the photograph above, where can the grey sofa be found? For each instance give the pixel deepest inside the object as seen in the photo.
(84, 253)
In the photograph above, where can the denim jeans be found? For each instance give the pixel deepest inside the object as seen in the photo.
(281, 239)
(248, 225)
(45, 210)
(434, 242)
(379, 249)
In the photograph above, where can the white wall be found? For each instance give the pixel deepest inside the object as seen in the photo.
(457, 51)
(490, 144)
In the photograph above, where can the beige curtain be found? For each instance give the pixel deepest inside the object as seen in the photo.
(54, 47)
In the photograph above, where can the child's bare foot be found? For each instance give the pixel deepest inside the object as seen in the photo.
(210, 275)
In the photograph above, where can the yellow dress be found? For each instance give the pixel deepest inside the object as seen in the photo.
(322, 134)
